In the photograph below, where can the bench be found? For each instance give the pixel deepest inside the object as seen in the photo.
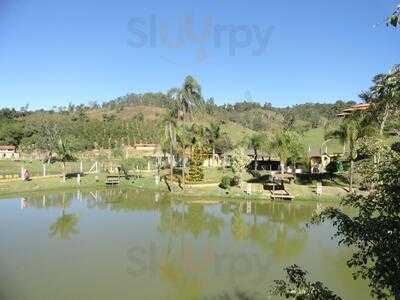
(112, 179)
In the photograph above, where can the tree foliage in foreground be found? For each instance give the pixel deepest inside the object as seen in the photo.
(297, 286)
(374, 231)
(394, 19)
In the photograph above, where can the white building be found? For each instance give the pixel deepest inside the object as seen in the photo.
(8, 152)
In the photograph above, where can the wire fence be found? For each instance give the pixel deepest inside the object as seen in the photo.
(12, 169)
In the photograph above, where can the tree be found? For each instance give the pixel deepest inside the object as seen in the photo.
(297, 286)
(350, 132)
(184, 140)
(373, 229)
(196, 173)
(384, 96)
(187, 97)
(46, 130)
(214, 133)
(190, 95)
(170, 137)
(65, 152)
(65, 226)
(256, 142)
(394, 19)
(239, 162)
(287, 144)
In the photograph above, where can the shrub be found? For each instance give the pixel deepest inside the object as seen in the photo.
(396, 147)
(225, 182)
(133, 162)
(235, 181)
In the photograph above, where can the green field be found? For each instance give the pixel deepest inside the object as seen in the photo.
(35, 168)
(314, 138)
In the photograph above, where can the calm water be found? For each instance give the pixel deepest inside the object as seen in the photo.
(114, 244)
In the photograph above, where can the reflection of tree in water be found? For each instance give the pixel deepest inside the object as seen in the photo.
(236, 295)
(185, 285)
(239, 227)
(66, 225)
(181, 270)
(191, 218)
(276, 228)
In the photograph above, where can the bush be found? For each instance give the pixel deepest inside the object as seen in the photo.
(396, 147)
(133, 162)
(235, 181)
(225, 182)
(334, 167)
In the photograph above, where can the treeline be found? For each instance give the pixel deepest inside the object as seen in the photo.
(117, 122)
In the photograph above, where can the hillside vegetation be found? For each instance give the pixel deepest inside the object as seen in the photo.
(147, 118)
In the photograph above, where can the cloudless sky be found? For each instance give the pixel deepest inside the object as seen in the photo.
(56, 52)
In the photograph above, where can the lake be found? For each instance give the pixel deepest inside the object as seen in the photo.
(117, 244)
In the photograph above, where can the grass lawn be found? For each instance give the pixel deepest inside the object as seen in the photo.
(212, 192)
(35, 167)
(315, 137)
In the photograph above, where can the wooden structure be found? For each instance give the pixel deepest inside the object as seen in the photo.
(112, 180)
(264, 162)
(277, 189)
(356, 107)
(281, 195)
(319, 160)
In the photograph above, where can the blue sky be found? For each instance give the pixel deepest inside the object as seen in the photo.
(284, 52)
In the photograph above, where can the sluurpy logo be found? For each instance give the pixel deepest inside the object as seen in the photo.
(154, 260)
(183, 34)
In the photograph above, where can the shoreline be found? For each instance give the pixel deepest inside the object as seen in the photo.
(302, 193)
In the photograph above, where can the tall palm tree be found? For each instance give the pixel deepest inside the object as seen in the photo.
(65, 226)
(186, 98)
(349, 132)
(384, 96)
(184, 136)
(170, 137)
(65, 153)
(190, 95)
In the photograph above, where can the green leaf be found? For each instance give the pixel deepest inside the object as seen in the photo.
(394, 20)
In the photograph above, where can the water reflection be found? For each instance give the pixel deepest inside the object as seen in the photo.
(197, 250)
(66, 225)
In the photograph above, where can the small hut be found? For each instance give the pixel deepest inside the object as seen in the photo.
(264, 162)
(319, 160)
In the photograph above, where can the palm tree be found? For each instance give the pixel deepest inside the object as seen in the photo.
(349, 132)
(184, 141)
(190, 95)
(170, 137)
(384, 96)
(65, 226)
(65, 153)
(187, 97)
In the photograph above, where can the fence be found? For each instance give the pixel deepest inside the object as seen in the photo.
(12, 169)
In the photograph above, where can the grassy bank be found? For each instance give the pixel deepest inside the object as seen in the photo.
(301, 192)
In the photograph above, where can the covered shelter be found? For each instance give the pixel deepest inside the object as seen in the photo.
(319, 160)
(264, 162)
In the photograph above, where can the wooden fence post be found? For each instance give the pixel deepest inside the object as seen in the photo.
(44, 170)
(81, 167)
